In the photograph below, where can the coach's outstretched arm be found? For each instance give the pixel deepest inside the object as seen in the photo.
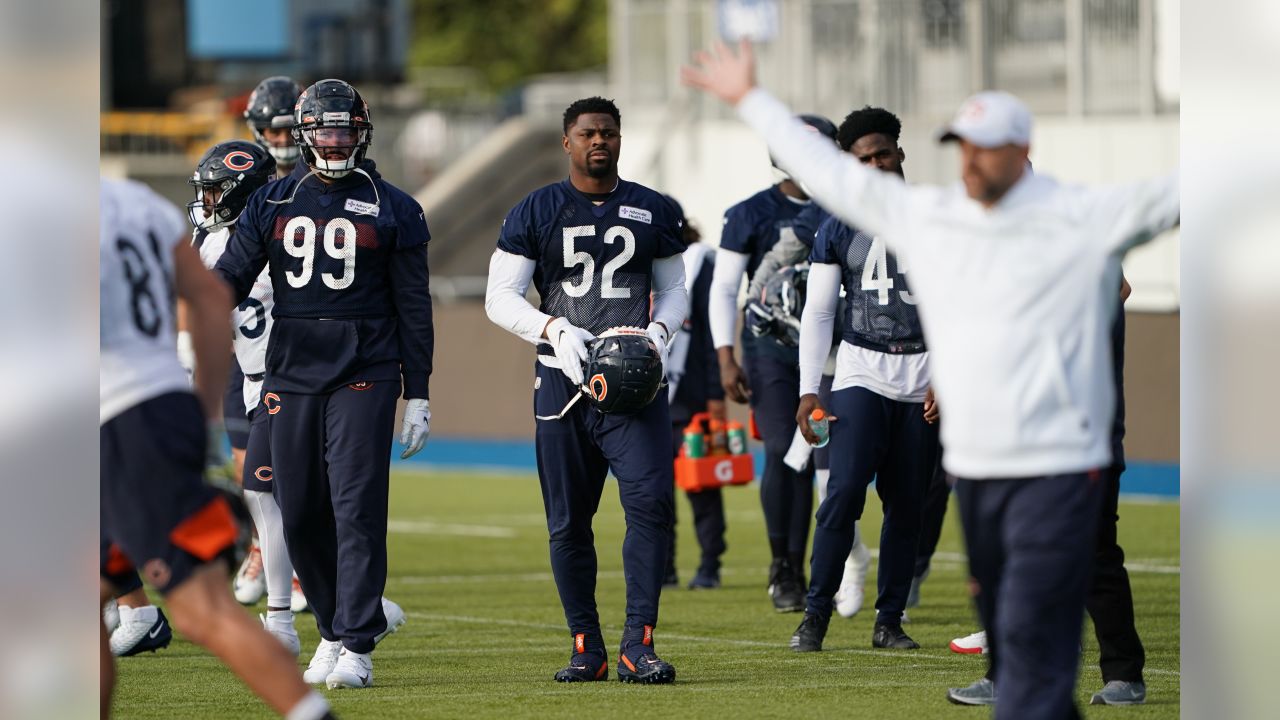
(873, 201)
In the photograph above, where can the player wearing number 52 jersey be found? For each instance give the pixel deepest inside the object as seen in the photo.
(596, 247)
(347, 254)
(878, 403)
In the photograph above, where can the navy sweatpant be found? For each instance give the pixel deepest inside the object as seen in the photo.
(785, 495)
(1030, 544)
(888, 440)
(708, 522)
(332, 460)
(575, 454)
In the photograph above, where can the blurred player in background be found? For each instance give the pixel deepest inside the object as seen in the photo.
(598, 248)
(771, 379)
(693, 386)
(347, 254)
(879, 426)
(1015, 275)
(269, 115)
(157, 513)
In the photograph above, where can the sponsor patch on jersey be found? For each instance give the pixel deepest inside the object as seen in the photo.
(637, 214)
(361, 208)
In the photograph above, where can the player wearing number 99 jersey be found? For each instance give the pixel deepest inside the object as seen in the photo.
(347, 254)
(597, 248)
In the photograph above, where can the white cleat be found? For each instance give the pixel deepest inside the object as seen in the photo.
(111, 615)
(250, 583)
(975, 644)
(851, 593)
(280, 624)
(322, 662)
(395, 618)
(354, 670)
(297, 601)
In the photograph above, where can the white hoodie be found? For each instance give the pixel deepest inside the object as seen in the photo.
(1016, 301)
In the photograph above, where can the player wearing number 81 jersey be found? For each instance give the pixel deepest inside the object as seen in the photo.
(596, 247)
(347, 254)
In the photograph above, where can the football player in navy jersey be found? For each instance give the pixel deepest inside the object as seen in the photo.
(269, 115)
(881, 426)
(347, 254)
(596, 247)
(751, 228)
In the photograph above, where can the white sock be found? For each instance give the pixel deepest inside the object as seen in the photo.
(146, 613)
(275, 555)
(313, 706)
(822, 476)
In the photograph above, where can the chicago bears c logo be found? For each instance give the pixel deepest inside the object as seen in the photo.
(238, 160)
(271, 402)
(599, 388)
(263, 473)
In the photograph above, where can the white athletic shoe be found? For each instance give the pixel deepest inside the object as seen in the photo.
(297, 601)
(354, 670)
(280, 624)
(111, 615)
(851, 593)
(975, 644)
(250, 583)
(323, 662)
(395, 618)
(141, 629)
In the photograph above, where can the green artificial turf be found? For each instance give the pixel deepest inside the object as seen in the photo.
(468, 562)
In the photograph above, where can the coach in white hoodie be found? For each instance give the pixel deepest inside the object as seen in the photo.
(1015, 276)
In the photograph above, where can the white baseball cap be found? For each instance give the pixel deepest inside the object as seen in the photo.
(990, 119)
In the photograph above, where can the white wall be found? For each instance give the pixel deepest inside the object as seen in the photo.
(708, 165)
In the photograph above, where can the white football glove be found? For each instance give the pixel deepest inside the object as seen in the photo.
(416, 426)
(570, 343)
(658, 334)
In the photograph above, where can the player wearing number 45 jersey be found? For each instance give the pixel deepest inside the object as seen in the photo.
(347, 254)
(596, 247)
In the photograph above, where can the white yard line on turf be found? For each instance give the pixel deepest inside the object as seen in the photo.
(913, 655)
(427, 527)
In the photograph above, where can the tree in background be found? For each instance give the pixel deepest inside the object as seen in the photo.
(508, 41)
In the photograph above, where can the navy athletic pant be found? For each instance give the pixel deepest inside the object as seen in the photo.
(708, 522)
(935, 514)
(331, 459)
(1110, 598)
(575, 454)
(1030, 544)
(877, 438)
(785, 495)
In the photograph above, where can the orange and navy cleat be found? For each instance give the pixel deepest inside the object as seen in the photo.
(588, 663)
(638, 663)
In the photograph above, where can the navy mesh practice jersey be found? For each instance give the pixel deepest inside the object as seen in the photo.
(808, 221)
(348, 265)
(594, 262)
(879, 312)
(753, 227)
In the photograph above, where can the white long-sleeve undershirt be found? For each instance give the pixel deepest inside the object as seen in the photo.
(722, 306)
(504, 297)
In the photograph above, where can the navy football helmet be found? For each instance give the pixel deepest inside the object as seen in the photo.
(271, 106)
(623, 372)
(225, 177)
(776, 313)
(331, 118)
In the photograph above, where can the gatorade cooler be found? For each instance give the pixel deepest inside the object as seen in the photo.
(694, 474)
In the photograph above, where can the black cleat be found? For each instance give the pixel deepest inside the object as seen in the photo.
(638, 663)
(891, 637)
(785, 588)
(586, 665)
(808, 637)
(705, 581)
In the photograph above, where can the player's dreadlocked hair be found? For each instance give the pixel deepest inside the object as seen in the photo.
(585, 106)
(867, 121)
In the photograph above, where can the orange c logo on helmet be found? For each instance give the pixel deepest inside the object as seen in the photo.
(263, 473)
(599, 388)
(238, 160)
(272, 402)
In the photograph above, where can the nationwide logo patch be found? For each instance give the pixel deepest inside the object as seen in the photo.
(632, 213)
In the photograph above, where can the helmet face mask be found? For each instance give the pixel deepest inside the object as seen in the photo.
(225, 177)
(332, 128)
